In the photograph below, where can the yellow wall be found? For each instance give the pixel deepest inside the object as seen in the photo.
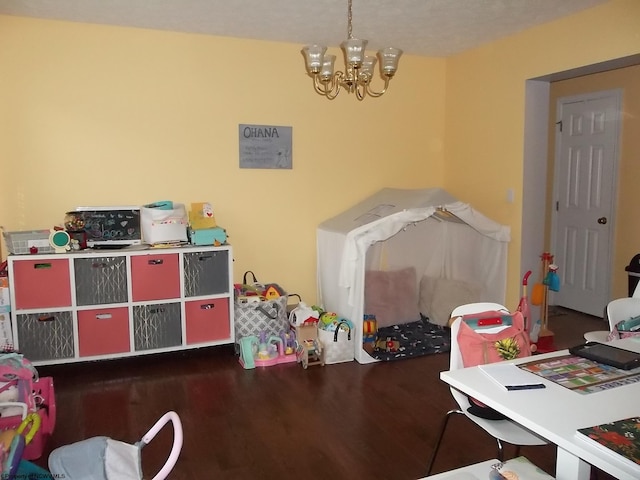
(485, 104)
(627, 226)
(97, 115)
(157, 114)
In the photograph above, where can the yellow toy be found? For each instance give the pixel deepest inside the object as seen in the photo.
(271, 293)
(201, 216)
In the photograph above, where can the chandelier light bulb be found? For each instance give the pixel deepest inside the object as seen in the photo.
(314, 55)
(354, 51)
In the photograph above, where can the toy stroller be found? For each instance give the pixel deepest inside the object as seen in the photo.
(101, 458)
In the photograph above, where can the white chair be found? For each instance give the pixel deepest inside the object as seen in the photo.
(622, 309)
(617, 310)
(502, 430)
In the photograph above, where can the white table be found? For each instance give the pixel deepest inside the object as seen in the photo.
(556, 413)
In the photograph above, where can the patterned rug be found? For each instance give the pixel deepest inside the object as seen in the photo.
(414, 339)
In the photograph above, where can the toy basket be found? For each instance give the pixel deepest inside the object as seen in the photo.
(255, 314)
(338, 343)
(45, 405)
(20, 243)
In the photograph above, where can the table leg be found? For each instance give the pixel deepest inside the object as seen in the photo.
(570, 467)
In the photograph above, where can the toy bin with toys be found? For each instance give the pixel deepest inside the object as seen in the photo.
(27, 408)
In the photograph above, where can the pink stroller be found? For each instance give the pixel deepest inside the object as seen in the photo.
(101, 458)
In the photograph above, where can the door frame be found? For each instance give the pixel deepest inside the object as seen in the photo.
(617, 96)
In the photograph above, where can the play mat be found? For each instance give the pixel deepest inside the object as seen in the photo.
(413, 339)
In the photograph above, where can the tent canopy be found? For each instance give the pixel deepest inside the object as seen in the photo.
(427, 229)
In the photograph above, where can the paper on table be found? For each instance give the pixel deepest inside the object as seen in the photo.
(511, 377)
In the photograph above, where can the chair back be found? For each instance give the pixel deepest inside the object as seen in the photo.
(455, 357)
(455, 360)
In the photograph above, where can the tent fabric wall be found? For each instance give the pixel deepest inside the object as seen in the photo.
(396, 228)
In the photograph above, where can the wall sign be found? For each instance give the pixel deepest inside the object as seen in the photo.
(265, 146)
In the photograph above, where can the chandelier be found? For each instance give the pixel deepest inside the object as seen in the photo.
(359, 67)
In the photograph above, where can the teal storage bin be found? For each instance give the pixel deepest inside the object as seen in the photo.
(208, 236)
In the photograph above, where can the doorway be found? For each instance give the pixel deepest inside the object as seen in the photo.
(583, 207)
(536, 226)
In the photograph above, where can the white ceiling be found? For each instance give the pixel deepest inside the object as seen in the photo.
(434, 28)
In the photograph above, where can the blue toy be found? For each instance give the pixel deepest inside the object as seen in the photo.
(246, 351)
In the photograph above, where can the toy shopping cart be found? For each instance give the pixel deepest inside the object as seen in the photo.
(102, 458)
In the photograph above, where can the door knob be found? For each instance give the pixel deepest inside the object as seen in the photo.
(602, 220)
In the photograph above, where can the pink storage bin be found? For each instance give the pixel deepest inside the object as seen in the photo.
(46, 408)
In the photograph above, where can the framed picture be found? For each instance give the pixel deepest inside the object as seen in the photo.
(265, 146)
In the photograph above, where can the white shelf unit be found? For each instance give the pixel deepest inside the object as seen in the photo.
(104, 304)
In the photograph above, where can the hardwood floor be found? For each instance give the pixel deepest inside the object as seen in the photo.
(345, 421)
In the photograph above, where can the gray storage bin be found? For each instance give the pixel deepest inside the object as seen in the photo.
(100, 280)
(206, 273)
(46, 336)
(157, 326)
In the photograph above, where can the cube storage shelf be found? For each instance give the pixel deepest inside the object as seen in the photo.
(94, 305)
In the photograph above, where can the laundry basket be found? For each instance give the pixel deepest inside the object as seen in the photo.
(102, 458)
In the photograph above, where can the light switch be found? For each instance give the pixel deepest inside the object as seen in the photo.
(510, 195)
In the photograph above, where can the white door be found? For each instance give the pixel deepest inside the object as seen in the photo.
(585, 182)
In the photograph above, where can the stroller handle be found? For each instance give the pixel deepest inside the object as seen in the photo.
(177, 441)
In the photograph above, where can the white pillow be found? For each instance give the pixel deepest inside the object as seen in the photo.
(447, 295)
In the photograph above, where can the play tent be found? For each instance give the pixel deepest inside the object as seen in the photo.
(444, 240)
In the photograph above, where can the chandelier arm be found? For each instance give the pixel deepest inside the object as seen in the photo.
(329, 90)
(373, 93)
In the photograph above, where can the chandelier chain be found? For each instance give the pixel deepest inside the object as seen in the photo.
(349, 21)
